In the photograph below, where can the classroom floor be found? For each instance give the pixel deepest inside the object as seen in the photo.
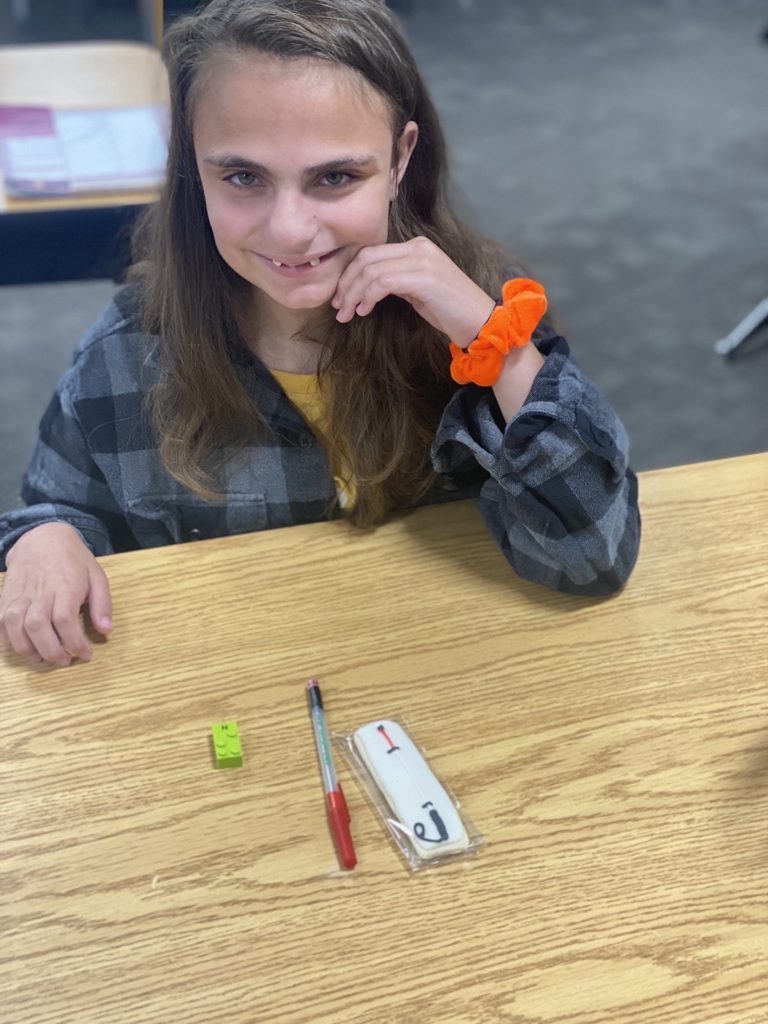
(620, 150)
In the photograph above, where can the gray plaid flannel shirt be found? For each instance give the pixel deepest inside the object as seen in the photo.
(554, 487)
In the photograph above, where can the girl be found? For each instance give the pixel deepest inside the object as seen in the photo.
(309, 331)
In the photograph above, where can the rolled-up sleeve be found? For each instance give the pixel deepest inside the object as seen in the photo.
(559, 499)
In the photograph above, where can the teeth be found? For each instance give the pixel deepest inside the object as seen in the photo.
(312, 263)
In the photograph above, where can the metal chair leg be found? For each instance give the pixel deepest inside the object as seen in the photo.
(728, 345)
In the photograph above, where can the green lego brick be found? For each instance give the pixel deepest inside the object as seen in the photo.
(226, 745)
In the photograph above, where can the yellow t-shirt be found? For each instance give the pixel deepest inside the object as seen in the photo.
(306, 394)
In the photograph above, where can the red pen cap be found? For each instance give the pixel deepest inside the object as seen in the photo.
(338, 815)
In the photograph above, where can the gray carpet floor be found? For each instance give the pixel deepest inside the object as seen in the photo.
(620, 150)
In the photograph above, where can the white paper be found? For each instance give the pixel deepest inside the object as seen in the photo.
(87, 150)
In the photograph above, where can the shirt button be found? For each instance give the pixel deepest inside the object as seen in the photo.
(306, 441)
(194, 534)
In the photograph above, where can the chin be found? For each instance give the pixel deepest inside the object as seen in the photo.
(308, 298)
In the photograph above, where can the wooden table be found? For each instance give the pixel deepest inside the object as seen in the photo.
(614, 753)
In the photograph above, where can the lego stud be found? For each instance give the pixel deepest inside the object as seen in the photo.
(226, 745)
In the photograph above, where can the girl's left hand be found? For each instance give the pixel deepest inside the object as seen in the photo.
(421, 273)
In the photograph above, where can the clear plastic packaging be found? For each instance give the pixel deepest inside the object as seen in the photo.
(422, 815)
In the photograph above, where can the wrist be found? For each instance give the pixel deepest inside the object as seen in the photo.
(55, 529)
(510, 325)
(476, 324)
(514, 383)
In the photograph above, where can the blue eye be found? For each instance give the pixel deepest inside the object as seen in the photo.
(242, 179)
(336, 178)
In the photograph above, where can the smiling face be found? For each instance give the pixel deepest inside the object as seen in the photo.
(295, 158)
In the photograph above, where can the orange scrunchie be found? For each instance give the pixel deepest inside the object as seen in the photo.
(510, 325)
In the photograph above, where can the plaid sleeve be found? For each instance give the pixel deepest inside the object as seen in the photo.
(62, 482)
(560, 499)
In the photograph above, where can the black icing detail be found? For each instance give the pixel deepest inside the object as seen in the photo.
(421, 832)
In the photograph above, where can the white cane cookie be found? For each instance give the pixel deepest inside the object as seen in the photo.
(423, 810)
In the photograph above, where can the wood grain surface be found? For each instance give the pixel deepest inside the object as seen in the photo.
(613, 753)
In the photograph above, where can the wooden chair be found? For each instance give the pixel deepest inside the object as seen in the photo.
(76, 237)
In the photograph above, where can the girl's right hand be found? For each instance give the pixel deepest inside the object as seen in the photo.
(51, 575)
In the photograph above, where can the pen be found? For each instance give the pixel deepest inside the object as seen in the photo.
(338, 814)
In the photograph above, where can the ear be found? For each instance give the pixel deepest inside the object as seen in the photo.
(405, 147)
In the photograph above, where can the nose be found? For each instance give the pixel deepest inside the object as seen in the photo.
(291, 223)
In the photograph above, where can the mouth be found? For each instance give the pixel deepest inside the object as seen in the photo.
(294, 268)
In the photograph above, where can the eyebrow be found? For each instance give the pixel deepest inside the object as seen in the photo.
(241, 163)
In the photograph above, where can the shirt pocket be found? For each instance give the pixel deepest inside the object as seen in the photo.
(156, 520)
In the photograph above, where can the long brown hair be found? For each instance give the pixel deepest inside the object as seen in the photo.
(386, 373)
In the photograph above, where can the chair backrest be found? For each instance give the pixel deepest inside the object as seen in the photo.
(151, 12)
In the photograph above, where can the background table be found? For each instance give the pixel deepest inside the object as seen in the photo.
(613, 752)
(80, 236)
